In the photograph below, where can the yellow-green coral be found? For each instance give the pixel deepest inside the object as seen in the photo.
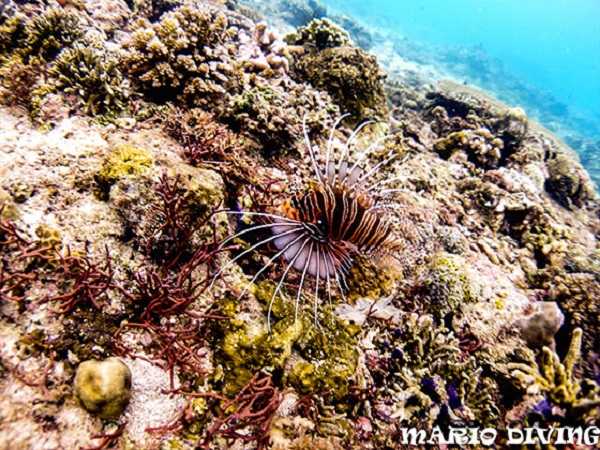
(557, 381)
(350, 75)
(367, 279)
(324, 358)
(447, 285)
(427, 371)
(123, 161)
(49, 33)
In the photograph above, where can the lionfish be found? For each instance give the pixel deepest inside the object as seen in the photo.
(322, 228)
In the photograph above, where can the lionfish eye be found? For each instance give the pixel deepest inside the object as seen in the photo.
(315, 231)
(322, 226)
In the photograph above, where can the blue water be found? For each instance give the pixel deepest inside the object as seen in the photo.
(552, 45)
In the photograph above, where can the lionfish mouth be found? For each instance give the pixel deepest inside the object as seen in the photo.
(319, 231)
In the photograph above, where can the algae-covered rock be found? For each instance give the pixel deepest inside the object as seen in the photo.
(369, 279)
(103, 387)
(8, 209)
(539, 329)
(305, 357)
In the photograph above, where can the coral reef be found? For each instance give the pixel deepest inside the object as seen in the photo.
(447, 285)
(421, 368)
(319, 35)
(123, 161)
(556, 380)
(142, 140)
(93, 77)
(48, 34)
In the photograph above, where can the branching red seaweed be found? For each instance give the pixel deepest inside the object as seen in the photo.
(248, 416)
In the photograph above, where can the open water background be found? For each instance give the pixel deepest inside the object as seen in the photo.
(552, 46)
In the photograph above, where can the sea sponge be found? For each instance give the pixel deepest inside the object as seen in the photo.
(539, 328)
(103, 387)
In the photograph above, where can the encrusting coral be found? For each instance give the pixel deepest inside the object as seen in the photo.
(123, 161)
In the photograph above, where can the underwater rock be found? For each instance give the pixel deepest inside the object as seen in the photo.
(103, 387)
(539, 329)
(301, 12)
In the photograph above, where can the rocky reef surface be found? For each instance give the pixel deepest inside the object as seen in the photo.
(131, 128)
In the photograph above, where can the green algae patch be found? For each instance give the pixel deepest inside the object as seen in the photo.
(124, 161)
(241, 354)
(298, 354)
(331, 357)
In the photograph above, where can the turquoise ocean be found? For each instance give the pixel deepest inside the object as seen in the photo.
(541, 55)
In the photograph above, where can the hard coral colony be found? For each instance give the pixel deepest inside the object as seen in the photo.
(329, 221)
